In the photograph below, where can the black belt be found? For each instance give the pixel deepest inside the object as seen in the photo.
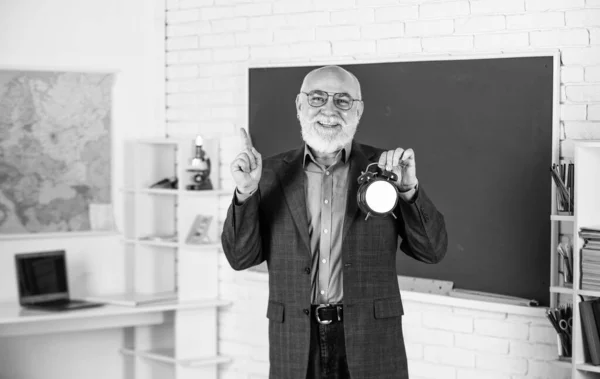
(327, 313)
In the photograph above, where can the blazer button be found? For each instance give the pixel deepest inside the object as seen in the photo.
(307, 270)
(306, 311)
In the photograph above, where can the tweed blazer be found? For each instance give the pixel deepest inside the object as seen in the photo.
(272, 226)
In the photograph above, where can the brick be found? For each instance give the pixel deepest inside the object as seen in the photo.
(217, 40)
(464, 373)
(501, 364)
(592, 3)
(450, 322)
(479, 24)
(533, 350)
(181, 43)
(399, 13)
(430, 370)
(353, 47)
(560, 37)
(497, 7)
(231, 54)
(572, 74)
(502, 329)
(377, 31)
(221, 69)
(536, 20)
(187, 114)
(171, 4)
(229, 83)
(542, 369)
(529, 320)
(293, 35)
(593, 112)
(573, 112)
(187, 71)
(449, 9)
(375, 3)
(586, 17)
(449, 356)
(429, 28)
(190, 56)
(354, 16)
(399, 45)
(414, 351)
(186, 4)
(482, 343)
(267, 22)
(584, 56)
(326, 5)
(178, 17)
(188, 29)
(594, 36)
(582, 129)
(429, 336)
(293, 6)
(337, 33)
(583, 93)
(501, 40)
(229, 25)
(214, 13)
(478, 314)
(195, 85)
(256, 9)
(255, 37)
(305, 20)
(310, 49)
(546, 5)
(269, 52)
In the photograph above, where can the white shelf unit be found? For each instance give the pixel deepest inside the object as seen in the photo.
(586, 214)
(185, 346)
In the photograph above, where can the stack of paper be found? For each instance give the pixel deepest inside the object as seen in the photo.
(590, 259)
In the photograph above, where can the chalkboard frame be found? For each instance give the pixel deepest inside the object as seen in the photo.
(553, 55)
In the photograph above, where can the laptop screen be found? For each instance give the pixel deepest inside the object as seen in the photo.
(41, 276)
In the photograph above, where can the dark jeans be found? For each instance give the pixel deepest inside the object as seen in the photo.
(327, 355)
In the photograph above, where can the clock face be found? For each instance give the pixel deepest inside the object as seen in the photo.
(381, 196)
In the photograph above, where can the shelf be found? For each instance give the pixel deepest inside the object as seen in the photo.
(569, 218)
(208, 246)
(202, 193)
(587, 367)
(157, 243)
(177, 192)
(168, 356)
(595, 293)
(559, 289)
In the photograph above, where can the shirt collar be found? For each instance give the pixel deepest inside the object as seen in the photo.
(343, 154)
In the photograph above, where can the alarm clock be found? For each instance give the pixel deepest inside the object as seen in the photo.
(377, 192)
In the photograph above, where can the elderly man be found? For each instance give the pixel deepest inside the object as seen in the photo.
(334, 304)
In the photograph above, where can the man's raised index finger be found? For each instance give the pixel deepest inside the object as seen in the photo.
(246, 139)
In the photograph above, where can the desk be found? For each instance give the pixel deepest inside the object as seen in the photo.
(16, 321)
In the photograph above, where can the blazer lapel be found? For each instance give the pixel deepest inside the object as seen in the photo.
(292, 180)
(358, 163)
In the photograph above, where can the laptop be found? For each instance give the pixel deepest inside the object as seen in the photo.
(42, 282)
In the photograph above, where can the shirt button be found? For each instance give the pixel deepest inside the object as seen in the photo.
(307, 270)
(306, 311)
(327, 173)
(322, 292)
(325, 231)
(326, 201)
(324, 261)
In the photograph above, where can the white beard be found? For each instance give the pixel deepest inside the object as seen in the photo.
(323, 139)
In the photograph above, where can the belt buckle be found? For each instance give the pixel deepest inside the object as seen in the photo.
(322, 322)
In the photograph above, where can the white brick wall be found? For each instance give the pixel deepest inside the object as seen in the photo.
(210, 44)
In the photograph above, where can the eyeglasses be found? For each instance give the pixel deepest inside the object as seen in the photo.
(318, 98)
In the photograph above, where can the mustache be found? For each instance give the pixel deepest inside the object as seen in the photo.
(328, 120)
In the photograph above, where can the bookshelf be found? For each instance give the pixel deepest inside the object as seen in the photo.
(156, 225)
(586, 214)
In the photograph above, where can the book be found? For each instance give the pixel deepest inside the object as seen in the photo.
(589, 325)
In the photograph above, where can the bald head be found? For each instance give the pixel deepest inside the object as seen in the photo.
(331, 74)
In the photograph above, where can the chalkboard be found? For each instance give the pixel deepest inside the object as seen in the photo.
(482, 134)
